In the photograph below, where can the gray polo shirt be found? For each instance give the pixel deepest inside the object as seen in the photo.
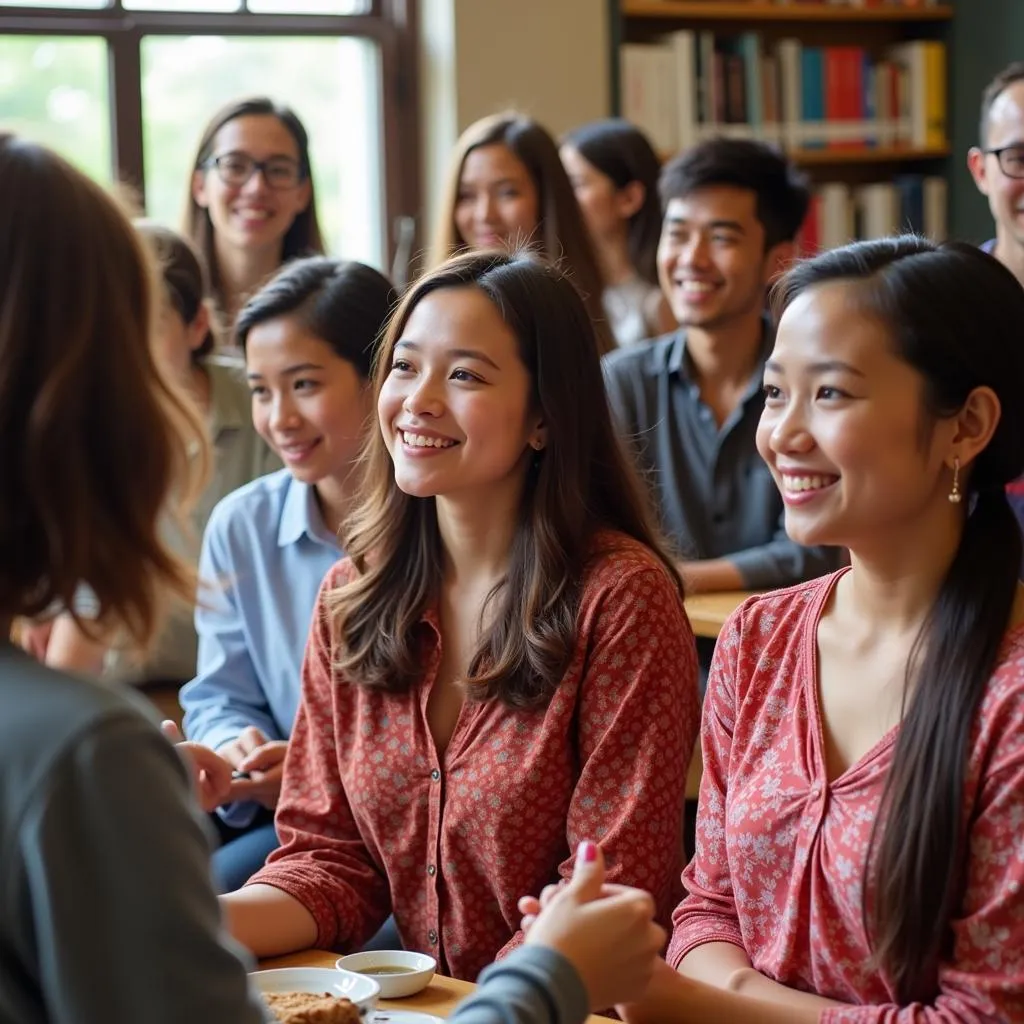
(716, 497)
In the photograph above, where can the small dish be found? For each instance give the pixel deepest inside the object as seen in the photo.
(397, 972)
(359, 988)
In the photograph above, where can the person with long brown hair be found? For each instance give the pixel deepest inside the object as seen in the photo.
(614, 172)
(506, 188)
(251, 204)
(859, 827)
(106, 912)
(502, 666)
(185, 339)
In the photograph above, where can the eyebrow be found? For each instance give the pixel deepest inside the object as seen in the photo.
(288, 371)
(729, 225)
(455, 353)
(828, 366)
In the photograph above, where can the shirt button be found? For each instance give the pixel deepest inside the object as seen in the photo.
(432, 937)
(435, 775)
(431, 870)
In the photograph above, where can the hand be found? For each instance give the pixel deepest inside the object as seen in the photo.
(265, 766)
(247, 742)
(211, 773)
(611, 940)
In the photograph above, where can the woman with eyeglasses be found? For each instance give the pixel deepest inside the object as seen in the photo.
(251, 203)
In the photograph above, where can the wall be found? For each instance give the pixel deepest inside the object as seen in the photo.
(549, 58)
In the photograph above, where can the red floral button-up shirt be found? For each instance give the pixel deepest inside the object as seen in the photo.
(781, 850)
(371, 820)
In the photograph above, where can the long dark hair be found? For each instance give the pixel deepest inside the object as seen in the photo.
(346, 304)
(954, 314)
(94, 438)
(621, 152)
(562, 235)
(302, 238)
(583, 482)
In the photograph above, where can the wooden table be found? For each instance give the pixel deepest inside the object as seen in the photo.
(439, 997)
(708, 612)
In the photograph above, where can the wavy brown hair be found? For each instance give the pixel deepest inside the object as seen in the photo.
(302, 238)
(561, 235)
(583, 482)
(94, 438)
(953, 313)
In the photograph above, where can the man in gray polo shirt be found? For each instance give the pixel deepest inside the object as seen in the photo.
(690, 402)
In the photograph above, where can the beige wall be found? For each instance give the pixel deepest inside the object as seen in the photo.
(548, 58)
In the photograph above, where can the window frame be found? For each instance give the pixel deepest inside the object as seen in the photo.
(391, 24)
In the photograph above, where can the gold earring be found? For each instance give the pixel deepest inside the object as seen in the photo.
(954, 494)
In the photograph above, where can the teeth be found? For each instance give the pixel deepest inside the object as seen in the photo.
(697, 287)
(419, 441)
(807, 483)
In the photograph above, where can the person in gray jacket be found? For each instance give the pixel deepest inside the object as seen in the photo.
(107, 915)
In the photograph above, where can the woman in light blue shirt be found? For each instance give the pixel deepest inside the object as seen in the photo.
(308, 339)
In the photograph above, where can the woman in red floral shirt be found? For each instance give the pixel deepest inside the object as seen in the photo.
(858, 840)
(502, 667)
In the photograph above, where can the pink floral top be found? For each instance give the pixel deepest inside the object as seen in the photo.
(781, 852)
(372, 819)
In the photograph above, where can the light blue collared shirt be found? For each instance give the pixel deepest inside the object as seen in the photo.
(265, 553)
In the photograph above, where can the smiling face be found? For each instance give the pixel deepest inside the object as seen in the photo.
(843, 429)
(308, 403)
(1005, 194)
(497, 202)
(712, 264)
(252, 215)
(455, 409)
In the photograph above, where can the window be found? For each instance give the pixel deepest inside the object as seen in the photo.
(123, 88)
(54, 90)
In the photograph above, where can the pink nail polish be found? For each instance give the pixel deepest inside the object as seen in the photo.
(589, 852)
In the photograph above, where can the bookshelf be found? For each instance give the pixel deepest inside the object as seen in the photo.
(752, 10)
(856, 95)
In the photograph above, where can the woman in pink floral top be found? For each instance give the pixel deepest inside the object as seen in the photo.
(858, 840)
(502, 667)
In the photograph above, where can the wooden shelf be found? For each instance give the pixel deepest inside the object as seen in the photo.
(758, 10)
(863, 155)
(826, 157)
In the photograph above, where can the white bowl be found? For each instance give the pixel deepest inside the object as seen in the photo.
(360, 989)
(417, 970)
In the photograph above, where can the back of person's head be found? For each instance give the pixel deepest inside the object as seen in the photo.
(345, 304)
(185, 281)
(953, 315)
(1009, 75)
(621, 152)
(561, 235)
(93, 437)
(582, 482)
(781, 192)
(303, 237)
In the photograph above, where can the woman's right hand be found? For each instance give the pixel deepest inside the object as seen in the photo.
(607, 933)
(211, 773)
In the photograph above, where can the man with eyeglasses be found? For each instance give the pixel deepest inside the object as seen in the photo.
(997, 166)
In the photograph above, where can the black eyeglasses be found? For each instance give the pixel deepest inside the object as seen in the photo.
(1011, 160)
(279, 172)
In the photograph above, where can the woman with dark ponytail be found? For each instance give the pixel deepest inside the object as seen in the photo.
(858, 840)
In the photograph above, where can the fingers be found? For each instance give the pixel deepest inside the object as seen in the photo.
(171, 731)
(212, 774)
(250, 739)
(588, 872)
(265, 757)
